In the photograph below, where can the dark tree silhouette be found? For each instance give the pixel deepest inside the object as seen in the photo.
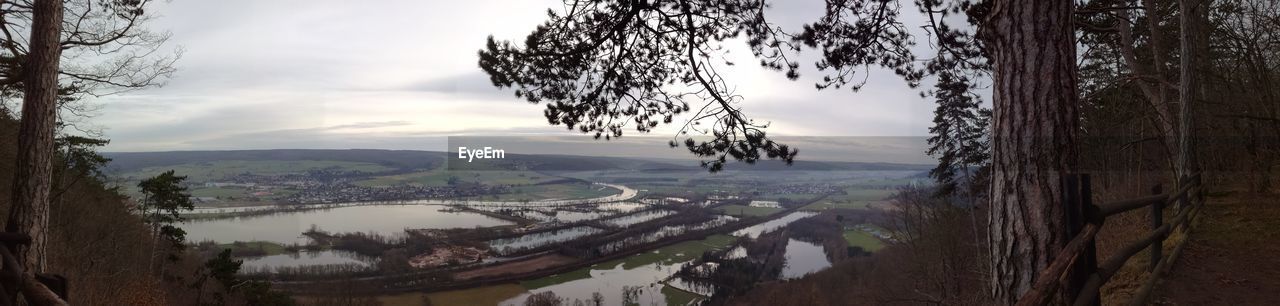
(604, 65)
(164, 198)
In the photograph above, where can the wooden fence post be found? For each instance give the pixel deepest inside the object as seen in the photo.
(1076, 201)
(1087, 265)
(1157, 211)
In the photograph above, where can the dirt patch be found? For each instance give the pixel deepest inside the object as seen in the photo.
(521, 266)
(447, 255)
(1230, 259)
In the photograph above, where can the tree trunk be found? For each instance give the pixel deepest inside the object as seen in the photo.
(30, 211)
(1033, 52)
(1194, 45)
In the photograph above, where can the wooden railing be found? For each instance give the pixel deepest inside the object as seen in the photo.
(1076, 269)
(39, 289)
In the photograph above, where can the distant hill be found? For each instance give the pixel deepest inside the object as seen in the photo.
(405, 159)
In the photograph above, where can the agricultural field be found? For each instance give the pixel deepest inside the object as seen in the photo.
(863, 239)
(743, 210)
(854, 197)
(487, 295)
(442, 177)
(552, 191)
(217, 170)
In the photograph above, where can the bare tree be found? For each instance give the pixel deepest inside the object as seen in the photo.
(107, 49)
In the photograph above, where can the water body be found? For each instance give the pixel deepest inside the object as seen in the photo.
(626, 193)
(287, 228)
(609, 282)
(575, 216)
(534, 240)
(628, 220)
(803, 258)
(306, 258)
(621, 207)
(775, 224)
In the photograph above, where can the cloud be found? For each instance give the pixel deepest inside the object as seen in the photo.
(369, 125)
(402, 74)
(474, 84)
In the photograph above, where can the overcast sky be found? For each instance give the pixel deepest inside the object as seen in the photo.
(395, 74)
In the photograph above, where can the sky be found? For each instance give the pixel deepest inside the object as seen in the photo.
(403, 74)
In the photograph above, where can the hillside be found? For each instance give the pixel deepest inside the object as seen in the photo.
(98, 243)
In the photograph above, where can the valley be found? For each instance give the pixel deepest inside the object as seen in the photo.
(381, 229)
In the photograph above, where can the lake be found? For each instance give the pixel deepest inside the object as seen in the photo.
(803, 258)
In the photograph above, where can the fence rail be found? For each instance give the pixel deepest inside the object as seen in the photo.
(1076, 269)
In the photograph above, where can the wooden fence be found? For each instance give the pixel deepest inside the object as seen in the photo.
(1076, 268)
(51, 291)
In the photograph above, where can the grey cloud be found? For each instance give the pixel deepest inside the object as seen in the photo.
(476, 84)
(369, 125)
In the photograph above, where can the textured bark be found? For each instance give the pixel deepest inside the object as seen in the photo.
(30, 211)
(1032, 47)
(1193, 47)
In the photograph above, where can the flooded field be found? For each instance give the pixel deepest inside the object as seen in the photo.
(621, 207)
(306, 258)
(508, 245)
(575, 216)
(756, 230)
(643, 277)
(632, 219)
(287, 228)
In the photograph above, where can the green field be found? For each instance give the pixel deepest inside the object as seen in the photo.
(679, 297)
(854, 197)
(863, 239)
(217, 170)
(671, 254)
(743, 210)
(795, 197)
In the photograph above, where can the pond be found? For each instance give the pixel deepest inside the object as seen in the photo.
(802, 259)
(287, 228)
